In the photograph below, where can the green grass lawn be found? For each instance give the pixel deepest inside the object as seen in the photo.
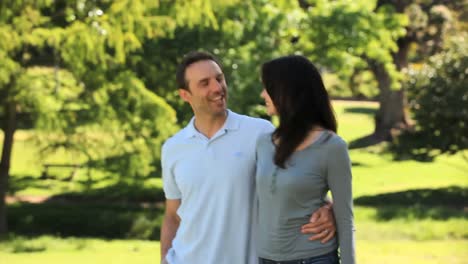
(78, 250)
(405, 211)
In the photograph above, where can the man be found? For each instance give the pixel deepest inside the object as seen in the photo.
(209, 175)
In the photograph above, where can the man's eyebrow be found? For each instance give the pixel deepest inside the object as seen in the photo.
(204, 80)
(207, 79)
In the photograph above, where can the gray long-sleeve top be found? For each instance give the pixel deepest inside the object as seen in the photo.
(288, 196)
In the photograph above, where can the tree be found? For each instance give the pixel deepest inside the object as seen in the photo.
(64, 68)
(347, 37)
(428, 24)
(376, 35)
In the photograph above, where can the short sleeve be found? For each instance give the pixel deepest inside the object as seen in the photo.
(171, 190)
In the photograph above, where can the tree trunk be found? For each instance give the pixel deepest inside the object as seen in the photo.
(391, 116)
(8, 130)
(401, 56)
(354, 84)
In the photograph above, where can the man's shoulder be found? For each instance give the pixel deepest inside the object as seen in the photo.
(264, 139)
(178, 137)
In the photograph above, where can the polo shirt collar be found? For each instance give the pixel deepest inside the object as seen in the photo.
(231, 123)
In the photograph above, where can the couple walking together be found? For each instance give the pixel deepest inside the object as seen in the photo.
(239, 190)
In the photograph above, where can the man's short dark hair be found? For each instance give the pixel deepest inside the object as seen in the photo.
(189, 59)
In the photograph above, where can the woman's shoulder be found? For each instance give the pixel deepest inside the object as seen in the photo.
(333, 140)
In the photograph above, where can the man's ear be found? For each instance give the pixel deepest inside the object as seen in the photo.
(184, 94)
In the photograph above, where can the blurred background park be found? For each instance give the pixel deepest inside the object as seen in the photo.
(87, 96)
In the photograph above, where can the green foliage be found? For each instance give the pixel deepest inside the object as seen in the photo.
(248, 44)
(137, 123)
(343, 35)
(246, 34)
(65, 70)
(49, 95)
(438, 100)
(429, 25)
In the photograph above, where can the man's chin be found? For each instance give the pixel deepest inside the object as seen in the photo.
(221, 110)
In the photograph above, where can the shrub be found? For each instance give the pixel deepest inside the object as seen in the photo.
(438, 99)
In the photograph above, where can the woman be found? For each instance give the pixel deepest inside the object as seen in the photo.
(298, 164)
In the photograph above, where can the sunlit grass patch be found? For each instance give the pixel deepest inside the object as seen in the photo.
(79, 250)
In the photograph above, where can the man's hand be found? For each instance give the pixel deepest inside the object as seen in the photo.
(322, 224)
(169, 226)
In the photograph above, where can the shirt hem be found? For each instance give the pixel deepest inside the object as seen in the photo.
(302, 255)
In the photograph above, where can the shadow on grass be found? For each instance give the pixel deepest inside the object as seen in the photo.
(118, 211)
(120, 193)
(425, 146)
(360, 110)
(85, 220)
(364, 142)
(441, 204)
(358, 164)
(413, 146)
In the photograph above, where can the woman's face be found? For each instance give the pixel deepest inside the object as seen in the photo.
(270, 107)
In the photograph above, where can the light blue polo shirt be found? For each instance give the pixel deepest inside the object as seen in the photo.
(215, 180)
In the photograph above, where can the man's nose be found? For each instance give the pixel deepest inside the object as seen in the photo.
(217, 86)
